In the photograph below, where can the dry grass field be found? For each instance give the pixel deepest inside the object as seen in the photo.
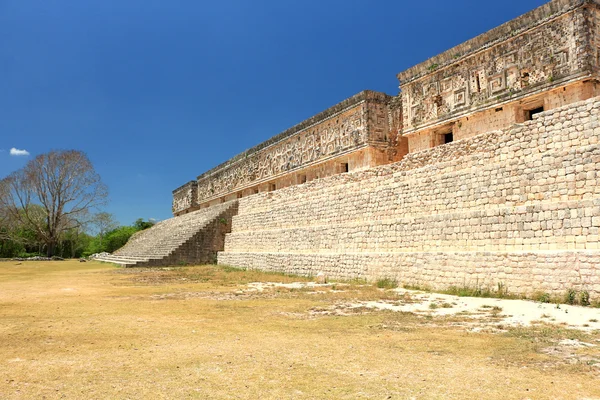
(93, 331)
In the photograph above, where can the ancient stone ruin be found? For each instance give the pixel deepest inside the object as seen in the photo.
(483, 171)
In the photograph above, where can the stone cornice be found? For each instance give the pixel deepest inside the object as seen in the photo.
(185, 185)
(366, 95)
(506, 31)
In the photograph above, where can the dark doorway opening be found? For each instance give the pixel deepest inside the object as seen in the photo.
(530, 113)
(448, 138)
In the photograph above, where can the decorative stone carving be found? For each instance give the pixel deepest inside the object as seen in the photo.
(348, 126)
(184, 197)
(517, 64)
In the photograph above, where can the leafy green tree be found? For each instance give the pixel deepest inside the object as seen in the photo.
(117, 238)
(140, 224)
(73, 243)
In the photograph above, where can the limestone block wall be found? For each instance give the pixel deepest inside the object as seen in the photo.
(518, 207)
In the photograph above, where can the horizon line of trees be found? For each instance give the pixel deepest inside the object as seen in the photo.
(47, 207)
(73, 243)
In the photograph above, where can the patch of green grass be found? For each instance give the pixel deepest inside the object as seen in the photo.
(467, 291)
(356, 281)
(433, 306)
(387, 283)
(229, 268)
(545, 333)
(501, 292)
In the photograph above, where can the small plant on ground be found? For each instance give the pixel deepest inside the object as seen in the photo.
(584, 298)
(571, 296)
(581, 298)
(387, 283)
(502, 290)
(542, 297)
(433, 306)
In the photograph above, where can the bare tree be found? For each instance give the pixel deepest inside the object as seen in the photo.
(63, 183)
(104, 222)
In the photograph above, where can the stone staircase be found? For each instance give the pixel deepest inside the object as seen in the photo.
(193, 238)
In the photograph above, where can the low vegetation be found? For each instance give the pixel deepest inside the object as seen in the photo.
(387, 283)
(75, 242)
(91, 330)
(571, 296)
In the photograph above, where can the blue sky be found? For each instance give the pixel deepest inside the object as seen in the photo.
(157, 92)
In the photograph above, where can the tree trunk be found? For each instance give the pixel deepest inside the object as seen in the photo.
(51, 248)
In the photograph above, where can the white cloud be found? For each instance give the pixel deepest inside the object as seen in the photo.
(17, 152)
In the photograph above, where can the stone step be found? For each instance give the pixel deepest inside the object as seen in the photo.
(127, 258)
(122, 263)
(162, 241)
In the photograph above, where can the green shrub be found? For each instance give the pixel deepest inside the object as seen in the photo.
(571, 296)
(387, 283)
(584, 298)
(542, 297)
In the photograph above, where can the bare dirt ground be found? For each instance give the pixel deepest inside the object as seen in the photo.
(89, 330)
